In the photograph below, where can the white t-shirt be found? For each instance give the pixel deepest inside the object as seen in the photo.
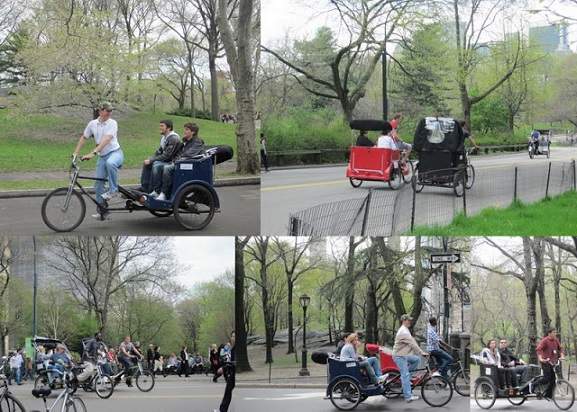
(98, 130)
(386, 142)
(403, 330)
(16, 361)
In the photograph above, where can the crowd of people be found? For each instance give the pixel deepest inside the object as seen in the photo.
(17, 367)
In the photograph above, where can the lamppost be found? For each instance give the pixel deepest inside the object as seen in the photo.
(304, 300)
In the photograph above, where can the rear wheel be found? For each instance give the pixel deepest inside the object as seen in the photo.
(9, 403)
(194, 207)
(58, 215)
(103, 386)
(395, 178)
(517, 400)
(436, 391)
(345, 395)
(462, 383)
(75, 404)
(145, 381)
(470, 178)
(355, 182)
(485, 393)
(393, 386)
(563, 395)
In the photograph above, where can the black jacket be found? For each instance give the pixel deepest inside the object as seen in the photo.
(170, 149)
(507, 356)
(189, 149)
(363, 140)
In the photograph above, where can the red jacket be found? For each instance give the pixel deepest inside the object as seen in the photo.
(550, 348)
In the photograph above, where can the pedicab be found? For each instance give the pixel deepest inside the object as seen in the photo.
(193, 199)
(443, 160)
(489, 387)
(542, 145)
(374, 163)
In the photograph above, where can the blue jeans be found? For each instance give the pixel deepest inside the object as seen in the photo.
(107, 168)
(167, 174)
(407, 364)
(151, 177)
(17, 375)
(443, 360)
(54, 371)
(376, 365)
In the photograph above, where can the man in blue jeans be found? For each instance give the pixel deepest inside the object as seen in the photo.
(406, 354)
(104, 131)
(443, 359)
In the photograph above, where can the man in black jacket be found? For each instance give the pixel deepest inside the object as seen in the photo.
(229, 371)
(183, 362)
(508, 360)
(151, 176)
(363, 140)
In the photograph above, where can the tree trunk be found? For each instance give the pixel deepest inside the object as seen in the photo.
(242, 361)
(290, 286)
(371, 329)
(350, 287)
(531, 327)
(214, 104)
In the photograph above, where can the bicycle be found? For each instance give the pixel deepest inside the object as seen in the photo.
(99, 382)
(143, 377)
(8, 402)
(69, 401)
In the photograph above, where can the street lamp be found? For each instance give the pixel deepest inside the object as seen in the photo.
(304, 300)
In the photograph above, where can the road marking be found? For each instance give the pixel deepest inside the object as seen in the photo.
(296, 397)
(303, 185)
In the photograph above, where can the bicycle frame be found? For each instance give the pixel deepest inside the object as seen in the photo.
(64, 395)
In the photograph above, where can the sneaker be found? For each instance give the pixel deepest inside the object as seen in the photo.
(161, 196)
(413, 398)
(110, 196)
(153, 194)
(98, 216)
(436, 373)
(382, 378)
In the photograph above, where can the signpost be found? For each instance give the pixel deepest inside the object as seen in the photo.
(446, 258)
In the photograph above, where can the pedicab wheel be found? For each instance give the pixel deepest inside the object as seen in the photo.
(40, 383)
(458, 184)
(563, 395)
(103, 386)
(408, 177)
(355, 182)
(393, 386)
(345, 395)
(61, 217)
(9, 403)
(470, 177)
(75, 404)
(530, 154)
(437, 391)
(395, 178)
(517, 400)
(462, 383)
(485, 392)
(161, 213)
(194, 207)
(417, 187)
(145, 381)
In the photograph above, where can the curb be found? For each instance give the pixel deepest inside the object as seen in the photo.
(227, 182)
(290, 167)
(281, 385)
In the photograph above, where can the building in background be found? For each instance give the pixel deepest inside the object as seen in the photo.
(552, 38)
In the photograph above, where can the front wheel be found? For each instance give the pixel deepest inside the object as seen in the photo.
(437, 391)
(346, 395)
(470, 177)
(462, 383)
(103, 386)
(63, 212)
(194, 207)
(395, 179)
(563, 395)
(9, 403)
(517, 400)
(355, 182)
(145, 381)
(485, 393)
(75, 404)
(408, 170)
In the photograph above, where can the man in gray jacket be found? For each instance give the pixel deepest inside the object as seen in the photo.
(406, 353)
(151, 177)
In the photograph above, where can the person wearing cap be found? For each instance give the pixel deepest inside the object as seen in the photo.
(406, 353)
(104, 131)
(59, 360)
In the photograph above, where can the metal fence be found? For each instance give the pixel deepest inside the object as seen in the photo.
(382, 212)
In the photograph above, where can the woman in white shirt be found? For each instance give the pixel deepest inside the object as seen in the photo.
(491, 356)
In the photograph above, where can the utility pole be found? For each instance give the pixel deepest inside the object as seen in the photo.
(35, 290)
(445, 295)
(384, 69)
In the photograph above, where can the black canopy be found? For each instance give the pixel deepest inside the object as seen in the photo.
(435, 134)
(377, 125)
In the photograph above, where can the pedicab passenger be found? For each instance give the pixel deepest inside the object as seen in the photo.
(406, 353)
(508, 360)
(491, 356)
(385, 140)
(371, 364)
(192, 145)
(151, 176)
(549, 351)
(60, 360)
(363, 140)
(443, 359)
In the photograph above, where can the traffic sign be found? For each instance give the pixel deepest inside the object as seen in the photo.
(447, 258)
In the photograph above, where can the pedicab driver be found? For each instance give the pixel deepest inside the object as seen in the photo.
(104, 131)
(549, 351)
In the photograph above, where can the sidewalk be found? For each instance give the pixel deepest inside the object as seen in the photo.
(284, 377)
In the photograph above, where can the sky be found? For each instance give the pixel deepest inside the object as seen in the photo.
(300, 19)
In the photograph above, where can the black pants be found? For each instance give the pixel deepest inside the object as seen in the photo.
(230, 375)
(183, 368)
(548, 379)
(264, 159)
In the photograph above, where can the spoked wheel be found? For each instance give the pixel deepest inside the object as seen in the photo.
(517, 400)
(563, 395)
(355, 182)
(417, 187)
(470, 178)
(437, 391)
(63, 213)
(103, 386)
(485, 393)
(161, 213)
(408, 170)
(346, 395)
(462, 383)
(75, 404)
(530, 153)
(395, 178)
(458, 184)
(145, 381)
(10, 404)
(194, 207)
(40, 382)
(393, 386)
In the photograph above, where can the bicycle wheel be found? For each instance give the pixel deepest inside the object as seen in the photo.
(145, 381)
(417, 186)
(103, 386)
(345, 395)
(517, 400)
(393, 386)
(194, 207)
(470, 178)
(61, 217)
(485, 393)
(40, 382)
(75, 404)
(436, 391)
(462, 383)
(395, 179)
(8, 403)
(408, 173)
(459, 184)
(355, 182)
(563, 395)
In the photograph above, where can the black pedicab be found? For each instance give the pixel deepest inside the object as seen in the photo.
(541, 145)
(443, 161)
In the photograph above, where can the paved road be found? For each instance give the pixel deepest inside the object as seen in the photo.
(287, 191)
(531, 405)
(239, 215)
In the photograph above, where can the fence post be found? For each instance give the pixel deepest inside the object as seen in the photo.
(414, 185)
(366, 216)
(574, 176)
(548, 179)
(464, 178)
(294, 226)
(515, 187)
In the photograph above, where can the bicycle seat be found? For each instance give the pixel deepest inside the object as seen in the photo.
(41, 393)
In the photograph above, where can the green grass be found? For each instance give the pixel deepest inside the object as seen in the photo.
(556, 216)
(45, 142)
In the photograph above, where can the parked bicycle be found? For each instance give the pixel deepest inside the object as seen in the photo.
(8, 402)
(68, 401)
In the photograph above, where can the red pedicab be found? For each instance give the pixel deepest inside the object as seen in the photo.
(374, 163)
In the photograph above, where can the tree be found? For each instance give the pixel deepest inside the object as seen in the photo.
(240, 36)
(240, 325)
(11, 13)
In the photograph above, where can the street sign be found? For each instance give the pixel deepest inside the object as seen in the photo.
(447, 258)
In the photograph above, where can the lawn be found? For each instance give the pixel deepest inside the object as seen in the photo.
(45, 142)
(556, 216)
